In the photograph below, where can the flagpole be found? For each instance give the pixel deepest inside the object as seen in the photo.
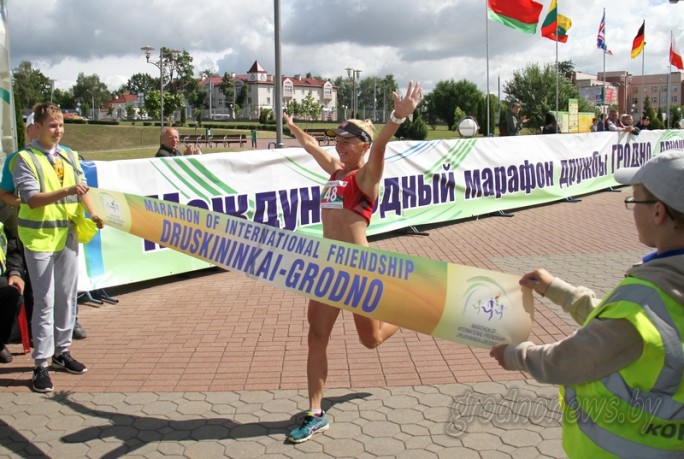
(603, 85)
(487, 58)
(557, 27)
(667, 93)
(643, 59)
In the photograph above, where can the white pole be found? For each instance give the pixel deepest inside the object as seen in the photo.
(487, 57)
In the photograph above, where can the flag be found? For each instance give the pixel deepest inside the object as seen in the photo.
(675, 56)
(639, 43)
(555, 26)
(601, 39)
(522, 15)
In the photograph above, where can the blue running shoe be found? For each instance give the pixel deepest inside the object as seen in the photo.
(310, 426)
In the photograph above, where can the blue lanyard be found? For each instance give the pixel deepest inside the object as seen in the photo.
(657, 256)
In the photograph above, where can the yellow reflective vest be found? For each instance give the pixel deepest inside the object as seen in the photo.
(637, 412)
(3, 249)
(45, 228)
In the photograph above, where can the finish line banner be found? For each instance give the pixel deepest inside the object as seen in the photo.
(458, 303)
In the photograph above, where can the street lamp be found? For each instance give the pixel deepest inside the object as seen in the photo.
(232, 79)
(52, 89)
(160, 65)
(210, 91)
(354, 74)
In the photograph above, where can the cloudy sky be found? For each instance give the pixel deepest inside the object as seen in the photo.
(425, 40)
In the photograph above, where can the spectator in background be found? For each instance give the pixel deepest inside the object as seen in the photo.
(254, 138)
(613, 123)
(594, 124)
(550, 124)
(170, 139)
(514, 120)
(626, 120)
(11, 281)
(601, 126)
(644, 123)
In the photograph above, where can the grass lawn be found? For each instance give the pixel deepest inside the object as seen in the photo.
(128, 141)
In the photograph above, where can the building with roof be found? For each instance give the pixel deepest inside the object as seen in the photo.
(629, 92)
(259, 93)
(118, 107)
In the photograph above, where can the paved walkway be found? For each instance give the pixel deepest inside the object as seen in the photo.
(211, 364)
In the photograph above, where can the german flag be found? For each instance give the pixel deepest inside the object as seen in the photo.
(638, 43)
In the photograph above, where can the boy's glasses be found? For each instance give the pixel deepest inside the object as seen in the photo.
(630, 202)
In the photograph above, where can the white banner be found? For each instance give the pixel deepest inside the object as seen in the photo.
(424, 183)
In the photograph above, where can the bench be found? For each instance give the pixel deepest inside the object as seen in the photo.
(320, 135)
(227, 139)
(195, 139)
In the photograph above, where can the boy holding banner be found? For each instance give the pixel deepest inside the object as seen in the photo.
(51, 187)
(347, 203)
(622, 373)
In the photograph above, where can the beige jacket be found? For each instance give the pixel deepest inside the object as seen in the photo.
(603, 346)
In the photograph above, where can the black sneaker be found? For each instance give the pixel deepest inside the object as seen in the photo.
(69, 363)
(5, 355)
(79, 332)
(41, 380)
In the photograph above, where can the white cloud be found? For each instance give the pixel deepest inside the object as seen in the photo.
(429, 41)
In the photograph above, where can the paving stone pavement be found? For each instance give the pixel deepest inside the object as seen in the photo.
(211, 364)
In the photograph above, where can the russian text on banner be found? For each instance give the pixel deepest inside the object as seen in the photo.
(458, 303)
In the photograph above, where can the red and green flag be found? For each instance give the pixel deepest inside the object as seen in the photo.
(522, 15)
(555, 26)
(638, 43)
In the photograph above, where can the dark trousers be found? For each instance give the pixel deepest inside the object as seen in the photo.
(10, 305)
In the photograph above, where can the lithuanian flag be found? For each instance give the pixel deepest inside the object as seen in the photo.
(519, 14)
(555, 26)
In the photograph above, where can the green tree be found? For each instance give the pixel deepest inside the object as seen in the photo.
(196, 95)
(658, 122)
(266, 116)
(482, 114)
(130, 111)
(535, 88)
(310, 108)
(140, 83)
(649, 111)
(413, 129)
(30, 86)
(228, 88)
(89, 90)
(448, 95)
(64, 99)
(675, 116)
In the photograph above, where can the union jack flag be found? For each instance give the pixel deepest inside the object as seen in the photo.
(601, 39)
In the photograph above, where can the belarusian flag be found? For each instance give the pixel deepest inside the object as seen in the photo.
(519, 14)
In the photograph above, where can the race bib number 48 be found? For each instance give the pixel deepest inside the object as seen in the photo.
(332, 196)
